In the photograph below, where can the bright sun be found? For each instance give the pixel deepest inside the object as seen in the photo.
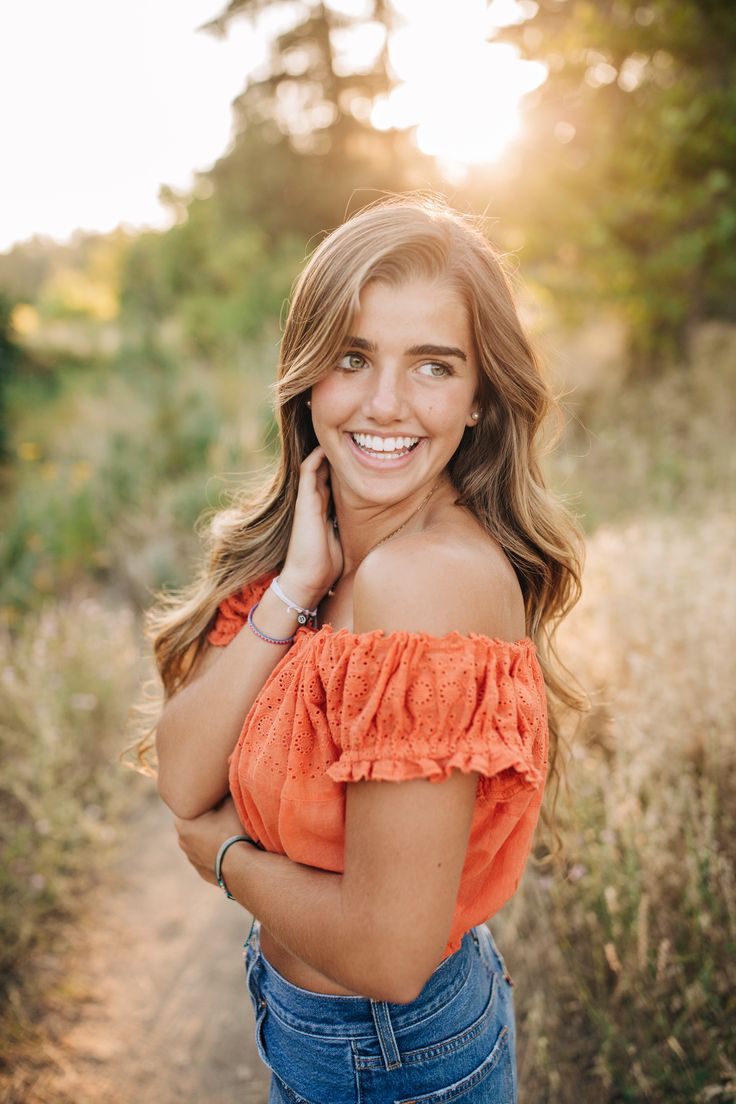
(460, 90)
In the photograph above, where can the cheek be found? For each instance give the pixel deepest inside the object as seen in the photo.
(333, 400)
(445, 418)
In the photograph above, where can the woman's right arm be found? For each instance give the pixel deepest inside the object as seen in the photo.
(199, 726)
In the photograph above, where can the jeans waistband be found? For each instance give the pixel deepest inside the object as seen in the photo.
(336, 1015)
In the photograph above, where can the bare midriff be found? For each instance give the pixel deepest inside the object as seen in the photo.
(296, 970)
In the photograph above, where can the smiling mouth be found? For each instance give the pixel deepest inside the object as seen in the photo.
(384, 448)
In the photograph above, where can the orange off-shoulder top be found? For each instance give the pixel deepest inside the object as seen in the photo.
(342, 706)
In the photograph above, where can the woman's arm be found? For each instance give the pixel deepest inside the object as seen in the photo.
(380, 927)
(201, 723)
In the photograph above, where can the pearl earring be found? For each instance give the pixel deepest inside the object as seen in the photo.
(475, 414)
(309, 402)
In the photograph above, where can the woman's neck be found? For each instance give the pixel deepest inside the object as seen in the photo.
(361, 527)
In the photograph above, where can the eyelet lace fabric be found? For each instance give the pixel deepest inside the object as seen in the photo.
(341, 706)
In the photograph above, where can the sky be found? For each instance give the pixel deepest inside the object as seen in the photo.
(103, 101)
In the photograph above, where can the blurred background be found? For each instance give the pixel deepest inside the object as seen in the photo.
(166, 168)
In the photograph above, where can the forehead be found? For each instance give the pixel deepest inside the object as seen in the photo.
(433, 306)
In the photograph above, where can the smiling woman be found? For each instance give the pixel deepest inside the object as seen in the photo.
(358, 682)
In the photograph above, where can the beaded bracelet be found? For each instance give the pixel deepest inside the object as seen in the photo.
(270, 639)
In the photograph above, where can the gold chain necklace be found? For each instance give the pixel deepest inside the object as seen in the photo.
(425, 500)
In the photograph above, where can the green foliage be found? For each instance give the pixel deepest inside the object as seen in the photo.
(10, 357)
(307, 93)
(116, 497)
(221, 281)
(290, 175)
(226, 269)
(77, 279)
(633, 138)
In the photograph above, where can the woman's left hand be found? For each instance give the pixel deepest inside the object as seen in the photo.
(201, 837)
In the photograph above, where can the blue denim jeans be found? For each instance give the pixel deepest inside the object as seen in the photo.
(454, 1043)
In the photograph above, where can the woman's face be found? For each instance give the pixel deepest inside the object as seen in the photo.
(392, 411)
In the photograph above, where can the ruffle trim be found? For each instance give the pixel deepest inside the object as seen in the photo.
(232, 613)
(503, 774)
(379, 636)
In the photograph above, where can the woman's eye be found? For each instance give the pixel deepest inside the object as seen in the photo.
(446, 370)
(351, 362)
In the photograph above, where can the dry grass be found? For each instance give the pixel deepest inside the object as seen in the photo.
(625, 960)
(653, 446)
(66, 681)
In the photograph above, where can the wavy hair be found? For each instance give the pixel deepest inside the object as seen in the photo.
(495, 469)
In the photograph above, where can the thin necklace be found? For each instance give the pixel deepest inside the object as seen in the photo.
(425, 500)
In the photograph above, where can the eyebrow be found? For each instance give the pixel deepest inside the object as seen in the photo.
(414, 350)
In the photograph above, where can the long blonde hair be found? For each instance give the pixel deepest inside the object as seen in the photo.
(495, 469)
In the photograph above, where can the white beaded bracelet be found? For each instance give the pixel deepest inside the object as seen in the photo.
(302, 615)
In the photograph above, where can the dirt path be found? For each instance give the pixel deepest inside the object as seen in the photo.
(163, 1012)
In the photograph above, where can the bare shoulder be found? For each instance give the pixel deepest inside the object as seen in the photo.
(437, 581)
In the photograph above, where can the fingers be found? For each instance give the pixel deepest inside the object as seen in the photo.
(315, 466)
(312, 466)
(313, 459)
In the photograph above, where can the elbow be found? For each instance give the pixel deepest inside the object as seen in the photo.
(396, 989)
(396, 972)
(183, 804)
(175, 801)
(395, 994)
(175, 789)
(395, 956)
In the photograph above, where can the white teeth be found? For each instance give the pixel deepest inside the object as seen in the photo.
(383, 444)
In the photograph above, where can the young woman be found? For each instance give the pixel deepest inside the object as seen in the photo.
(356, 737)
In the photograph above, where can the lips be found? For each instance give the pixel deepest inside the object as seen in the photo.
(376, 461)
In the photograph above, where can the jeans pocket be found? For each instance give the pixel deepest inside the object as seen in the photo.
(474, 1064)
(281, 1093)
(491, 1080)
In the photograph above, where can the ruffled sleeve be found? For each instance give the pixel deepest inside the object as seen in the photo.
(411, 705)
(232, 613)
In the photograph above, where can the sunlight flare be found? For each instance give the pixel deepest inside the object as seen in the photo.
(460, 90)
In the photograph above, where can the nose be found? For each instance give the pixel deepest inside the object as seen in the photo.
(386, 398)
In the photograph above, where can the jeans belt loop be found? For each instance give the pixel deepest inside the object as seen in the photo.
(386, 1037)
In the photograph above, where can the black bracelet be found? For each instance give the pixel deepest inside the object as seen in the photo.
(221, 856)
